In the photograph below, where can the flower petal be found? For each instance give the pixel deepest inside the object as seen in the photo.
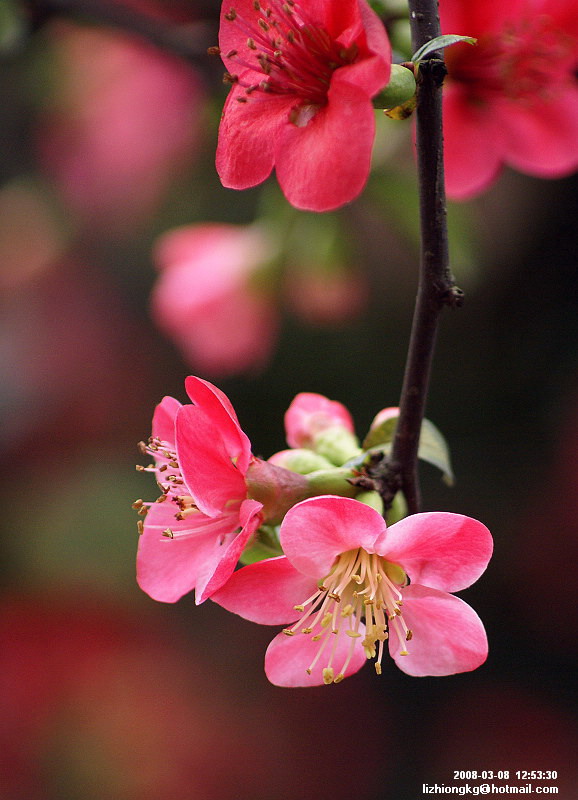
(439, 549)
(542, 138)
(315, 531)
(473, 154)
(266, 592)
(448, 635)
(214, 402)
(288, 658)
(247, 136)
(206, 460)
(164, 420)
(326, 163)
(233, 545)
(168, 568)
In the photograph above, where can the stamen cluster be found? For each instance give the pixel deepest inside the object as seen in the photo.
(360, 586)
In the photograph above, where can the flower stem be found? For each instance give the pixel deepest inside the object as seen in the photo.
(436, 284)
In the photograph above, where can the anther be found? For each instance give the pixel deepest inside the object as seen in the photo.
(251, 44)
(140, 527)
(231, 15)
(263, 25)
(137, 504)
(229, 78)
(241, 99)
(231, 53)
(377, 666)
(334, 596)
(288, 632)
(214, 51)
(409, 635)
(140, 468)
(142, 447)
(328, 675)
(167, 533)
(297, 608)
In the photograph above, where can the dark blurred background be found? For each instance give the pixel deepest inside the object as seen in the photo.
(105, 144)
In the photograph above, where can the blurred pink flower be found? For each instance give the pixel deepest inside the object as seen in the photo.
(303, 77)
(341, 564)
(208, 298)
(123, 120)
(325, 297)
(311, 414)
(513, 98)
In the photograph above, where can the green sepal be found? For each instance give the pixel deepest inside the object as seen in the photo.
(398, 509)
(433, 447)
(439, 43)
(371, 499)
(331, 481)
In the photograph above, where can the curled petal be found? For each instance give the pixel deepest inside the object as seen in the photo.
(448, 636)
(229, 551)
(311, 413)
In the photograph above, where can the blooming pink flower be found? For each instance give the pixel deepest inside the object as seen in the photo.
(207, 299)
(512, 99)
(303, 76)
(342, 565)
(194, 534)
(310, 414)
(123, 121)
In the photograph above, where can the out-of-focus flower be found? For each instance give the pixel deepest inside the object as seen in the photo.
(303, 77)
(322, 297)
(209, 298)
(342, 565)
(123, 120)
(512, 99)
(196, 531)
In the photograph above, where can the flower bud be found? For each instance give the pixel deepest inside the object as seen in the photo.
(300, 460)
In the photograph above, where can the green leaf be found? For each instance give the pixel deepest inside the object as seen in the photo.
(433, 447)
(439, 43)
(265, 546)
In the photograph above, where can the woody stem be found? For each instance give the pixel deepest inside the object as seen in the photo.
(436, 284)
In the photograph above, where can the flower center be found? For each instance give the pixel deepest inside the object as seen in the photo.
(287, 54)
(169, 480)
(361, 586)
(529, 61)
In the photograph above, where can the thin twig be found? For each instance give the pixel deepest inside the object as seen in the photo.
(436, 284)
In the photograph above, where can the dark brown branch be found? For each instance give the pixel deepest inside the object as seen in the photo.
(436, 285)
(188, 41)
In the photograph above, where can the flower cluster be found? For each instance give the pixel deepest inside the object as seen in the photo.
(319, 558)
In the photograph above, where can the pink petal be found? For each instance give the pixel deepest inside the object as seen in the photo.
(206, 461)
(311, 413)
(541, 138)
(248, 135)
(222, 568)
(288, 657)
(266, 592)
(438, 549)
(448, 635)
(315, 531)
(164, 420)
(169, 568)
(472, 153)
(214, 403)
(371, 72)
(326, 163)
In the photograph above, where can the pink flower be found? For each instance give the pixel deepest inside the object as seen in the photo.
(303, 76)
(311, 414)
(124, 120)
(512, 99)
(342, 566)
(194, 534)
(207, 298)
